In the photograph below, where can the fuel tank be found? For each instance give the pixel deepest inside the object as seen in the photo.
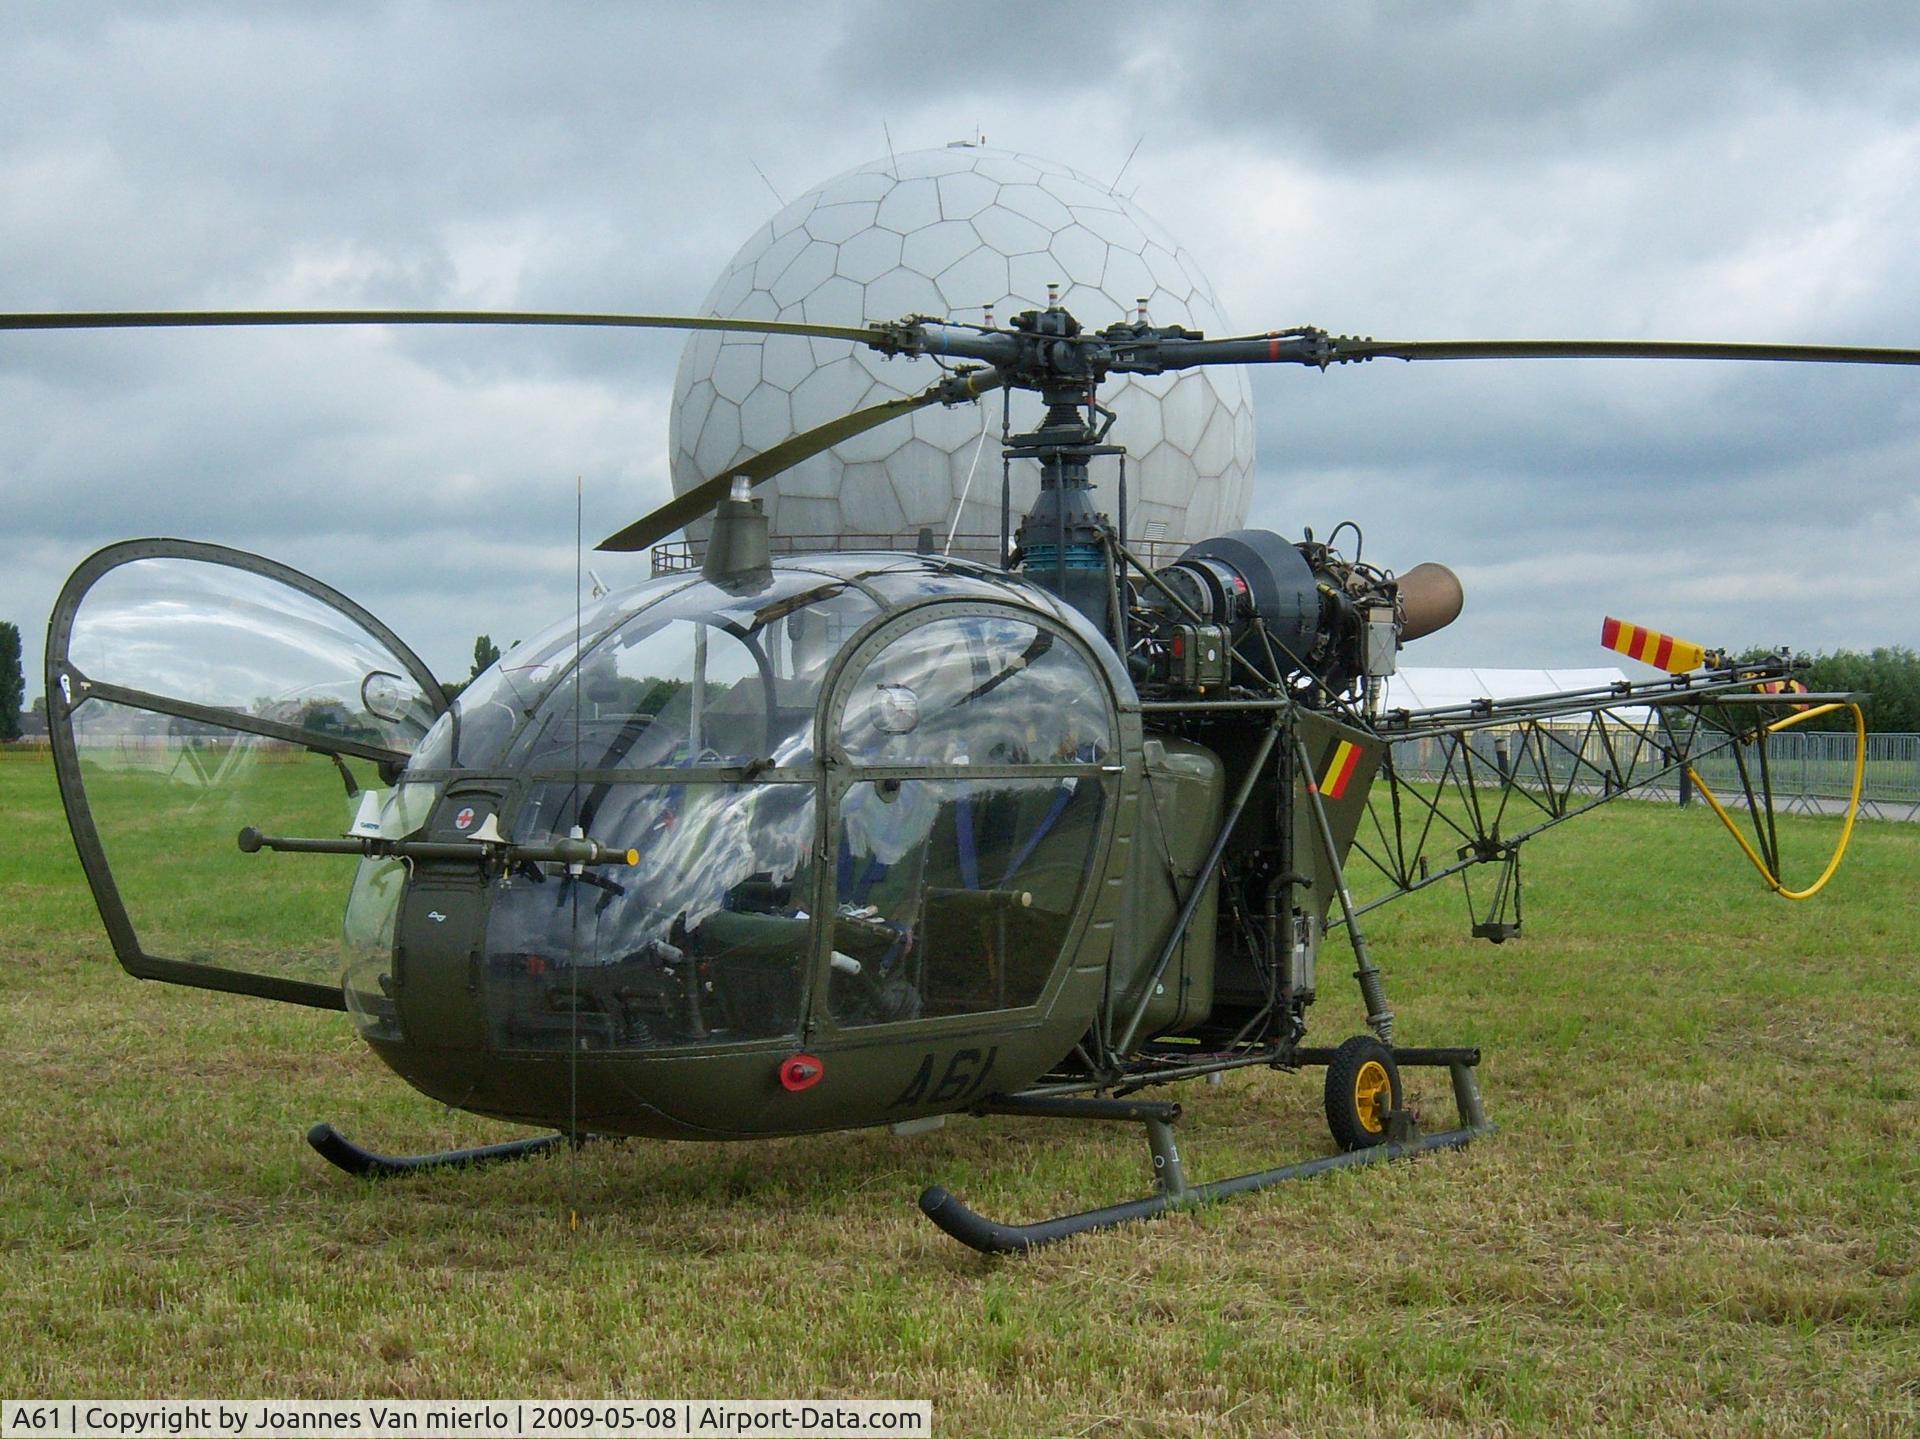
(1182, 798)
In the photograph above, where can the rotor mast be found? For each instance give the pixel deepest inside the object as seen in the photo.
(1063, 541)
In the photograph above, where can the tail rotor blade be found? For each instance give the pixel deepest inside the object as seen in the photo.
(1662, 651)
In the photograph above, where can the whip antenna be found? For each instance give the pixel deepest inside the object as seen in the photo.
(574, 873)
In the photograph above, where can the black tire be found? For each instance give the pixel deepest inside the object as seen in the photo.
(1355, 1091)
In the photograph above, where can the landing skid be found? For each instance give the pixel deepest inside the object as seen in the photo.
(1171, 1189)
(343, 1153)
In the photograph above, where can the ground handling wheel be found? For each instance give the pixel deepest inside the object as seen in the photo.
(1363, 1090)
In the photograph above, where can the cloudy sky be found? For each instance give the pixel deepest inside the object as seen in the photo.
(1737, 171)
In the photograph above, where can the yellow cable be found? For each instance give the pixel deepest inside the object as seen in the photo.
(1853, 803)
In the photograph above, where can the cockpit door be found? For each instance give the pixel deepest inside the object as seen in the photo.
(973, 800)
(195, 690)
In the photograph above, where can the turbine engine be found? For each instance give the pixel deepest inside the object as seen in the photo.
(1249, 606)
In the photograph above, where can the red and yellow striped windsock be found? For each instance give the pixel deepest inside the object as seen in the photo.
(1675, 656)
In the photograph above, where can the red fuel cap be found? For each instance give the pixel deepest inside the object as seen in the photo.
(801, 1071)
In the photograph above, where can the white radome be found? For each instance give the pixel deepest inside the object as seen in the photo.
(952, 233)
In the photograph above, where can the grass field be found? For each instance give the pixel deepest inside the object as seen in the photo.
(1702, 1215)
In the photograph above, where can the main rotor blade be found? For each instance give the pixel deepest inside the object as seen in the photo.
(1317, 348)
(228, 319)
(1345, 350)
(685, 508)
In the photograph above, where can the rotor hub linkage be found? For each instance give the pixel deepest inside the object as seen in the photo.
(1044, 347)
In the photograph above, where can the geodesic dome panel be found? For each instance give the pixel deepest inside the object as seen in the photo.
(955, 233)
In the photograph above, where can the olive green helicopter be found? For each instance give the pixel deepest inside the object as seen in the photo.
(791, 843)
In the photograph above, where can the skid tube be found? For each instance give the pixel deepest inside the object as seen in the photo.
(1172, 1192)
(343, 1153)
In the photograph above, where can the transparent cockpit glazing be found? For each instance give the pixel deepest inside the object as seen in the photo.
(167, 796)
(246, 701)
(637, 734)
(702, 679)
(978, 689)
(373, 906)
(956, 896)
(706, 941)
(231, 639)
(475, 732)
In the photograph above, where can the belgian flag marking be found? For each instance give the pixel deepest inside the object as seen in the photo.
(1344, 760)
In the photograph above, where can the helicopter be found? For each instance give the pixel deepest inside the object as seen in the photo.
(794, 843)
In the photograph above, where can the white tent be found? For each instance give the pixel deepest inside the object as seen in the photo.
(1441, 687)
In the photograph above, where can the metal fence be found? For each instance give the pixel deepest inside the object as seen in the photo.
(1811, 770)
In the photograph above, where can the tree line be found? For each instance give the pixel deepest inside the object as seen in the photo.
(13, 682)
(1889, 675)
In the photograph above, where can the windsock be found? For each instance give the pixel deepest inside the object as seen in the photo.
(1675, 656)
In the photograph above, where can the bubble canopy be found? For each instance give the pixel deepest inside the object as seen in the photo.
(684, 674)
(867, 790)
(855, 796)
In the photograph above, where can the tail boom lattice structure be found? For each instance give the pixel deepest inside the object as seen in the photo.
(1469, 784)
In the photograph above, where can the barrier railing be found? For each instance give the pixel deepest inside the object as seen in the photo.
(679, 556)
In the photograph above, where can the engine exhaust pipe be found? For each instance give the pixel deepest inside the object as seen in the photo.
(1430, 599)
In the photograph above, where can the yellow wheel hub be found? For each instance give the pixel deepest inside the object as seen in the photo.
(1372, 1096)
